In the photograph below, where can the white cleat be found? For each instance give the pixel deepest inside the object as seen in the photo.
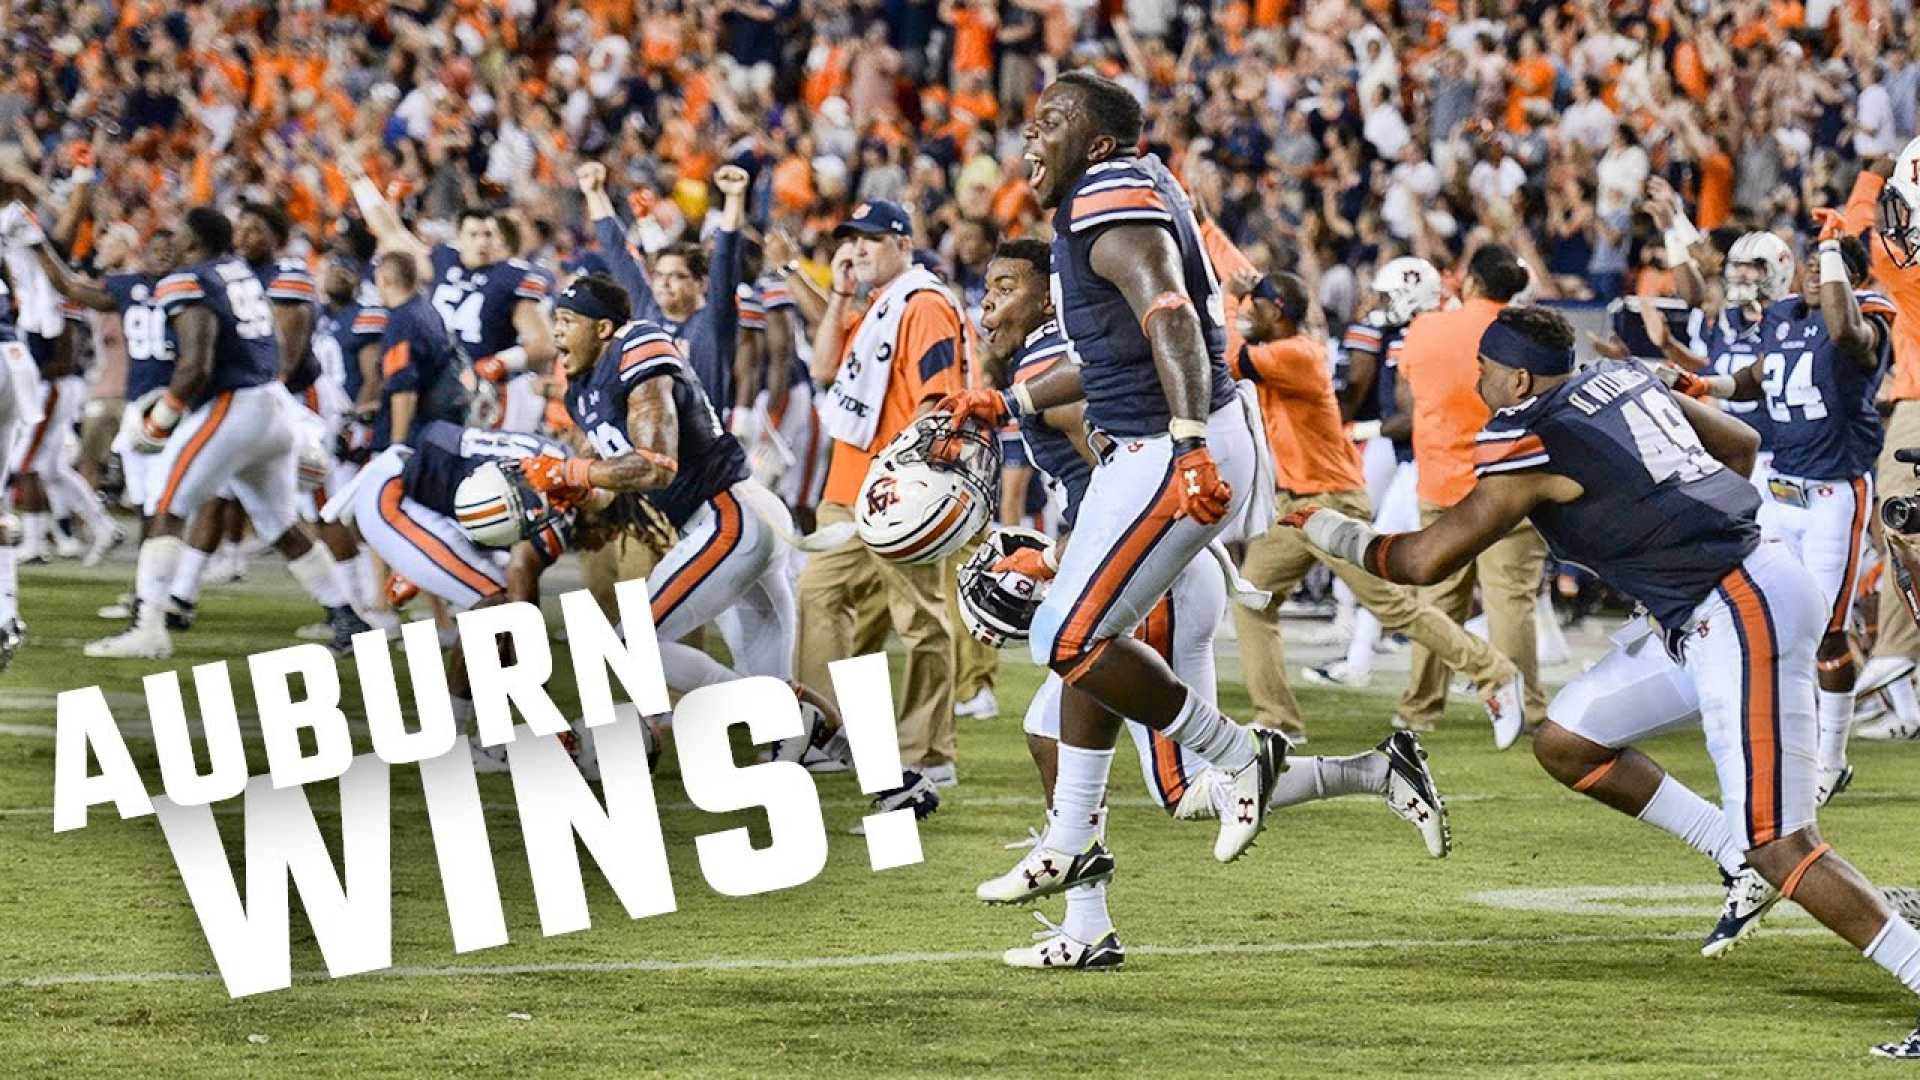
(981, 706)
(1506, 711)
(149, 642)
(1412, 794)
(1880, 673)
(1336, 674)
(1042, 871)
(1053, 949)
(317, 631)
(1243, 796)
(1831, 783)
(1201, 800)
(103, 542)
(68, 547)
(1888, 728)
(1749, 898)
(579, 742)
(488, 759)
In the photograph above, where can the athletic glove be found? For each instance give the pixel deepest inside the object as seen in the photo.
(562, 480)
(1203, 495)
(490, 369)
(1033, 562)
(1332, 532)
(989, 408)
(1832, 225)
(1694, 386)
(400, 590)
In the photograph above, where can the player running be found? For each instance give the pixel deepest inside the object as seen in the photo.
(1141, 311)
(1826, 351)
(1645, 488)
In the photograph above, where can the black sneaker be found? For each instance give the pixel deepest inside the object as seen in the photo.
(180, 613)
(346, 623)
(1749, 898)
(1907, 1049)
(915, 792)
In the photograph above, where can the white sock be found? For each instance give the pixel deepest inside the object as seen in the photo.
(1310, 778)
(1897, 948)
(687, 668)
(1366, 634)
(1906, 706)
(1087, 919)
(1344, 604)
(1835, 709)
(321, 577)
(1702, 826)
(366, 585)
(1079, 789)
(1219, 741)
(9, 586)
(186, 579)
(35, 524)
(462, 714)
(153, 574)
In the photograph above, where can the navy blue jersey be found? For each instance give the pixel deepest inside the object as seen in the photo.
(1825, 426)
(288, 281)
(1103, 331)
(477, 305)
(710, 459)
(446, 454)
(417, 356)
(1051, 451)
(341, 332)
(1369, 337)
(1730, 343)
(244, 351)
(144, 323)
(1661, 520)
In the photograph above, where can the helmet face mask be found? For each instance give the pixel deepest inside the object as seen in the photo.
(932, 488)
(1899, 233)
(1760, 269)
(997, 606)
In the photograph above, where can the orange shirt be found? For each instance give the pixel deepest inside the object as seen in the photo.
(1902, 285)
(972, 42)
(929, 364)
(1716, 190)
(1440, 360)
(1311, 452)
(1532, 80)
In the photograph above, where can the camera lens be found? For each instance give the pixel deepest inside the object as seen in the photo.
(1899, 515)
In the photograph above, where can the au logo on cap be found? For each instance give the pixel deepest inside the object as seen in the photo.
(863, 211)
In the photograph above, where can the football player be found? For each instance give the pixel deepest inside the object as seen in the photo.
(1826, 352)
(19, 395)
(223, 420)
(1022, 342)
(1644, 487)
(347, 338)
(1142, 315)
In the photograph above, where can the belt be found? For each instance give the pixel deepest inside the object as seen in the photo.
(1102, 444)
(1788, 491)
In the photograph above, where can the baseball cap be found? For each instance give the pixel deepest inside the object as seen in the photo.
(877, 218)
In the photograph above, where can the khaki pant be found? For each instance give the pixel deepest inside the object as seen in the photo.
(620, 559)
(974, 664)
(1898, 635)
(1278, 560)
(832, 587)
(1508, 574)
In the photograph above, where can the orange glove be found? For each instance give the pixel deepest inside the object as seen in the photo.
(400, 590)
(490, 369)
(564, 481)
(1832, 225)
(988, 408)
(1203, 495)
(1298, 519)
(1682, 381)
(1029, 561)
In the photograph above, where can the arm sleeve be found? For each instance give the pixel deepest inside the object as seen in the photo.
(624, 262)
(723, 277)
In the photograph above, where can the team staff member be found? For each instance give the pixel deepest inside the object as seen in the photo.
(1314, 461)
(1447, 416)
(910, 349)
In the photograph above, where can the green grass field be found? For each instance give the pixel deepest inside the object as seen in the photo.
(1337, 948)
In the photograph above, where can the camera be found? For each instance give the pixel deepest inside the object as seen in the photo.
(1901, 514)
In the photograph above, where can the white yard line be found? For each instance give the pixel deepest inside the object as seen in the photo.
(898, 959)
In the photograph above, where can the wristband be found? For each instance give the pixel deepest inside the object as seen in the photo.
(1339, 535)
(1020, 400)
(1366, 431)
(577, 473)
(1833, 266)
(514, 359)
(1050, 558)
(1678, 254)
(1187, 429)
(166, 411)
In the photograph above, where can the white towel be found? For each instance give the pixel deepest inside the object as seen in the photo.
(851, 411)
(1259, 513)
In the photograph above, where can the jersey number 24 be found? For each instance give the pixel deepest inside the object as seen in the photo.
(1789, 385)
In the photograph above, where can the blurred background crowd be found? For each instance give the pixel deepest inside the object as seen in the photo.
(1324, 136)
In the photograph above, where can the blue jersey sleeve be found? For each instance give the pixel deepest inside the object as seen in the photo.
(624, 262)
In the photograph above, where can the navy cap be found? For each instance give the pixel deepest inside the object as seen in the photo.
(877, 218)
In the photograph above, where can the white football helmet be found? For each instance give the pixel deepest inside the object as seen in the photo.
(997, 606)
(1407, 287)
(1759, 269)
(931, 490)
(497, 508)
(1900, 208)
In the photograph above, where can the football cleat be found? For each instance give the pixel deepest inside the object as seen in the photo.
(315, 631)
(1831, 783)
(1506, 710)
(1336, 674)
(915, 793)
(103, 542)
(1201, 801)
(1907, 1049)
(1749, 898)
(1412, 794)
(1243, 811)
(181, 613)
(67, 546)
(488, 759)
(346, 623)
(1054, 949)
(1032, 841)
(138, 642)
(1889, 728)
(1042, 871)
(942, 775)
(13, 634)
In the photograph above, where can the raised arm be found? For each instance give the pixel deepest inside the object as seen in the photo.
(723, 273)
(84, 291)
(611, 232)
(830, 336)
(1854, 334)
(383, 221)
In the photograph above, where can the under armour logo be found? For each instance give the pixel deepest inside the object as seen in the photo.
(1413, 807)
(1193, 480)
(1246, 811)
